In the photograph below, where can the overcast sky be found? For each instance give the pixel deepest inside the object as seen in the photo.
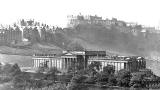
(54, 12)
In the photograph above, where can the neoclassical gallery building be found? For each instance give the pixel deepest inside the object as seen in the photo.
(84, 58)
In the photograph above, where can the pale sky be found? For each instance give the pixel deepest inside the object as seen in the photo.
(54, 12)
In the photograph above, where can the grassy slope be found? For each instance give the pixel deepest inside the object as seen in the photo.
(23, 61)
(30, 49)
(113, 39)
(23, 55)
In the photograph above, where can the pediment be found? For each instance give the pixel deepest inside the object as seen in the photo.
(68, 54)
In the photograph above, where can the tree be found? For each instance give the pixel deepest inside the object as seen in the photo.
(137, 78)
(6, 69)
(109, 70)
(51, 74)
(112, 80)
(94, 67)
(107, 75)
(77, 82)
(91, 80)
(21, 80)
(11, 70)
(15, 70)
(123, 78)
(40, 70)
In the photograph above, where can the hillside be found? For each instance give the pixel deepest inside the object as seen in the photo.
(29, 50)
(113, 39)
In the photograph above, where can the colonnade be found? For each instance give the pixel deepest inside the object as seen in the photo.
(60, 63)
(118, 64)
(141, 64)
(68, 62)
(47, 62)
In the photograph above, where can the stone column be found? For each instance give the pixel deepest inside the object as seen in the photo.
(63, 65)
(37, 62)
(67, 63)
(117, 66)
(114, 65)
(141, 64)
(42, 61)
(120, 65)
(51, 62)
(56, 63)
(74, 59)
(34, 62)
(59, 64)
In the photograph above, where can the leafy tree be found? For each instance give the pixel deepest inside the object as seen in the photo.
(6, 69)
(21, 80)
(11, 70)
(95, 65)
(78, 79)
(112, 80)
(41, 69)
(93, 68)
(102, 77)
(90, 80)
(77, 82)
(136, 79)
(109, 70)
(52, 74)
(15, 70)
(123, 78)
(107, 75)
(82, 72)
(65, 78)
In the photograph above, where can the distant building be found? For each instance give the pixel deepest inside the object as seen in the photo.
(89, 19)
(132, 64)
(62, 62)
(46, 60)
(74, 59)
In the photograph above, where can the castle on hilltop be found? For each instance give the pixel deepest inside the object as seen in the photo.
(89, 19)
(97, 20)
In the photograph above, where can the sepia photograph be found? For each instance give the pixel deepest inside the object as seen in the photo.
(79, 45)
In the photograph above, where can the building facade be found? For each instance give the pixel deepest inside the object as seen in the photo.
(89, 19)
(81, 59)
(132, 64)
(63, 62)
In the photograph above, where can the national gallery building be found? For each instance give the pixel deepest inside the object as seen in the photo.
(72, 59)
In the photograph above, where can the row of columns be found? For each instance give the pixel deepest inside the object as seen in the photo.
(118, 65)
(68, 62)
(48, 62)
(141, 64)
(135, 65)
(62, 63)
